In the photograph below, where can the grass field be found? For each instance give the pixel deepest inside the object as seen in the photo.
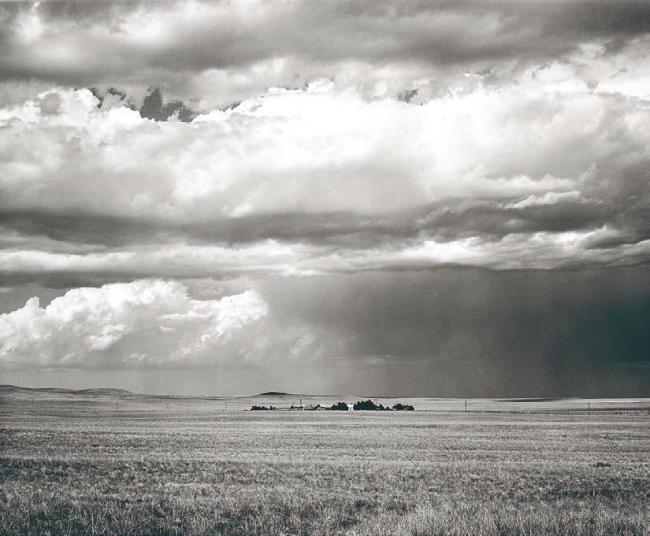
(107, 463)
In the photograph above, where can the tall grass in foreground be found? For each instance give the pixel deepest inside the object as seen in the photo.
(284, 516)
(497, 519)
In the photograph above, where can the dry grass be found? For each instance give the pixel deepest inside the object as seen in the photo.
(79, 468)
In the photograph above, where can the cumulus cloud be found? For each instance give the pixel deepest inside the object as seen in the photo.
(322, 178)
(316, 150)
(142, 323)
(421, 148)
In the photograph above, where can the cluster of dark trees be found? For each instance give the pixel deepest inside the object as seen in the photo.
(403, 407)
(369, 405)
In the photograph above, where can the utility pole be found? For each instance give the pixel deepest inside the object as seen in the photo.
(465, 406)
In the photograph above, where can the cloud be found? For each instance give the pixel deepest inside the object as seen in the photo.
(448, 332)
(242, 48)
(139, 324)
(322, 178)
(416, 192)
(452, 331)
(153, 107)
(395, 140)
(312, 151)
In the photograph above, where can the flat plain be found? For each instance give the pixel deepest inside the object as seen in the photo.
(106, 462)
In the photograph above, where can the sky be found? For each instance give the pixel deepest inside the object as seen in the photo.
(442, 199)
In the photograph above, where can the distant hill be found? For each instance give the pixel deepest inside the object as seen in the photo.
(72, 392)
(276, 393)
(103, 391)
(530, 400)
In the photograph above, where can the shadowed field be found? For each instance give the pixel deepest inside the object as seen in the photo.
(104, 463)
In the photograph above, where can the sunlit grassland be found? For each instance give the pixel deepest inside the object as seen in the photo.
(79, 468)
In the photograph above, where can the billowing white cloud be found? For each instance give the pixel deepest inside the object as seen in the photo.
(317, 150)
(142, 323)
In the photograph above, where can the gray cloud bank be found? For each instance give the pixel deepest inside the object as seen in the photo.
(242, 48)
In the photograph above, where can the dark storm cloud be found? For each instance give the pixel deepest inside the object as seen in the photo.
(483, 333)
(449, 332)
(79, 228)
(444, 221)
(153, 107)
(450, 220)
(325, 242)
(160, 43)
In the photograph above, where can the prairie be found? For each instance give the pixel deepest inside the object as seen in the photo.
(112, 463)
